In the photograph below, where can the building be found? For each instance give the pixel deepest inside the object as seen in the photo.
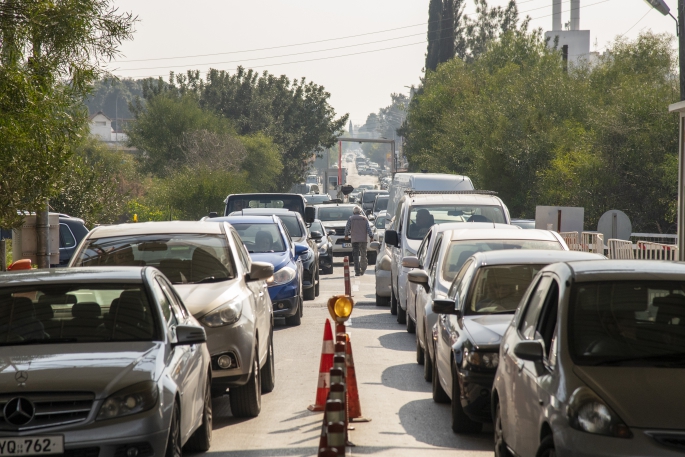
(572, 42)
(101, 128)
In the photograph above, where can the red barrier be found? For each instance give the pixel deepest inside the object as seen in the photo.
(324, 369)
(346, 269)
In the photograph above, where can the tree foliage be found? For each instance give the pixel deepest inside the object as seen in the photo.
(599, 136)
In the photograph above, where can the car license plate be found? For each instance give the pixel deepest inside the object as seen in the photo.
(347, 245)
(32, 445)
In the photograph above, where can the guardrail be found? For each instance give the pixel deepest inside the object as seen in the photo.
(620, 249)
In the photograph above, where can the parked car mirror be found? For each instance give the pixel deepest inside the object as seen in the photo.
(529, 350)
(371, 217)
(260, 270)
(411, 262)
(391, 238)
(445, 306)
(213, 214)
(375, 245)
(331, 233)
(189, 334)
(309, 214)
(300, 249)
(419, 277)
(316, 235)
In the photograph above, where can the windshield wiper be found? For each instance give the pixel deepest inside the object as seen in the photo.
(208, 279)
(39, 341)
(677, 358)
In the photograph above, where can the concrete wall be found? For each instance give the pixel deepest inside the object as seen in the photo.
(578, 42)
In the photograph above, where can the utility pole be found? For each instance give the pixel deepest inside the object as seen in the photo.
(43, 236)
(681, 46)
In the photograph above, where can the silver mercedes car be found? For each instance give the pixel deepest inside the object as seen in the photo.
(101, 362)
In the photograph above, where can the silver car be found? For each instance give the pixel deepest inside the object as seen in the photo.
(212, 272)
(593, 363)
(102, 361)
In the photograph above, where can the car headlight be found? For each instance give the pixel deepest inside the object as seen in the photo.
(282, 276)
(226, 314)
(588, 413)
(323, 248)
(131, 400)
(481, 359)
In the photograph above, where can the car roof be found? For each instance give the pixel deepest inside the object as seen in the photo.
(73, 275)
(237, 219)
(467, 199)
(534, 256)
(152, 228)
(439, 228)
(612, 270)
(267, 211)
(512, 234)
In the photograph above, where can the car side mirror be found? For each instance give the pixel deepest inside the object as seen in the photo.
(213, 214)
(391, 238)
(300, 249)
(187, 335)
(419, 277)
(411, 262)
(446, 306)
(374, 245)
(309, 214)
(331, 233)
(260, 270)
(316, 235)
(530, 350)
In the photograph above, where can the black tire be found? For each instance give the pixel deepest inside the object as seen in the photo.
(439, 394)
(546, 448)
(173, 443)
(401, 315)
(393, 302)
(419, 352)
(411, 327)
(246, 401)
(371, 257)
(201, 439)
(382, 301)
(269, 370)
(461, 423)
(318, 283)
(501, 449)
(427, 361)
(328, 271)
(310, 294)
(297, 318)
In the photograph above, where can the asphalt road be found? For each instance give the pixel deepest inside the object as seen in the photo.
(405, 420)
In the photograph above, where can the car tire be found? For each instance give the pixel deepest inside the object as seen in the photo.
(173, 443)
(461, 423)
(501, 449)
(419, 352)
(201, 439)
(318, 283)
(393, 302)
(401, 315)
(439, 394)
(382, 301)
(427, 361)
(328, 271)
(371, 257)
(310, 294)
(297, 318)
(269, 370)
(411, 327)
(546, 448)
(246, 401)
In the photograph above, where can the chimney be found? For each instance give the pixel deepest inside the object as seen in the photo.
(556, 14)
(575, 14)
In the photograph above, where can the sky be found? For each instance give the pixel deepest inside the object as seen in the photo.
(361, 51)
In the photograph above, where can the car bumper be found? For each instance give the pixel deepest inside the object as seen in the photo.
(236, 341)
(476, 389)
(286, 307)
(574, 443)
(383, 283)
(338, 248)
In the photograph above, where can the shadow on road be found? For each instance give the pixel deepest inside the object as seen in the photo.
(398, 341)
(407, 377)
(382, 320)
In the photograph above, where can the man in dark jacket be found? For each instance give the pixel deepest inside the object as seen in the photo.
(358, 228)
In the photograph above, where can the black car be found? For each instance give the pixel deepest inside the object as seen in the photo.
(71, 231)
(324, 244)
(368, 198)
(238, 202)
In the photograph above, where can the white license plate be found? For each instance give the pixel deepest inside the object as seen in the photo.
(347, 245)
(32, 445)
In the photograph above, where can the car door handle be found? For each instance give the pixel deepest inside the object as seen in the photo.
(505, 349)
(261, 294)
(520, 366)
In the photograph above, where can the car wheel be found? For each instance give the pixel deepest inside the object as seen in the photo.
(297, 318)
(173, 444)
(310, 294)
(328, 271)
(393, 302)
(419, 352)
(269, 370)
(427, 361)
(546, 448)
(501, 449)
(246, 401)
(439, 394)
(318, 283)
(461, 423)
(371, 257)
(201, 439)
(382, 301)
(401, 315)
(411, 327)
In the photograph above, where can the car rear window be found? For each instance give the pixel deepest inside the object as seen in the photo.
(498, 289)
(76, 314)
(260, 237)
(335, 213)
(244, 201)
(422, 218)
(292, 224)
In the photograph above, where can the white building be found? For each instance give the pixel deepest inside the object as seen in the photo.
(101, 127)
(573, 42)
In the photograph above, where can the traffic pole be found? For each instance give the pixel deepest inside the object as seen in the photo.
(346, 269)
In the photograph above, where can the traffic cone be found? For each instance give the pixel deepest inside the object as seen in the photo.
(354, 408)
(324, 369)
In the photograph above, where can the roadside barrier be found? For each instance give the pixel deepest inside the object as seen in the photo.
(571, 239)
(656, 251)
(324, 369)
(620, 249)
(592, 242)
(346, 270)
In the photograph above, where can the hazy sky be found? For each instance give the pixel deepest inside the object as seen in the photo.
(223, 34)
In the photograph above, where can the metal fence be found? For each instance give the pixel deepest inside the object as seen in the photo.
(621, 249)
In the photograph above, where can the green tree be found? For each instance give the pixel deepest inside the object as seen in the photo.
(262, 162)
(42, 44)
(434, 16)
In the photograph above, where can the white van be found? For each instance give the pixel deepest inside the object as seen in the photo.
(417, 213)
(403, 182)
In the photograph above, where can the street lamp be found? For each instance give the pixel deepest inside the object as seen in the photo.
(663, 8)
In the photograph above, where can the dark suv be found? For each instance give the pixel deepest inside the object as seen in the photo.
(71, 231)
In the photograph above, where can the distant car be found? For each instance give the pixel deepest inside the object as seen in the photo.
(101, 361)
(71, 231)
(315, 199)
(324, 244)
(266, 239)
(212, 273)
(238, 202)
(592, 363)
(297, 229)
(335, 216)
(527, 224)
(380, 204)
(368, 197)
(479, 305)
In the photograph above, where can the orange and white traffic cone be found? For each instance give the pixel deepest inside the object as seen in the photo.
(325, 366)
(354, 408)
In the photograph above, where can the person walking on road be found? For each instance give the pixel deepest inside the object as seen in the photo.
(358, 228)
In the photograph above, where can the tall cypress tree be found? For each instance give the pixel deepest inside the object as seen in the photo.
(446, 32)
(434, 24)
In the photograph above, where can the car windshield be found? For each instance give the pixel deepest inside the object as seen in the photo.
(381, 204)
(259, 238)
(335, 213)
(422, 218)
(292, 224)
(317, 227)
(241, 202)
(459, 251)
(183, 258)
(370, 197)
(47, 314)
(313, 199)
(499, 289)
(618, 323)
(380, 222)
